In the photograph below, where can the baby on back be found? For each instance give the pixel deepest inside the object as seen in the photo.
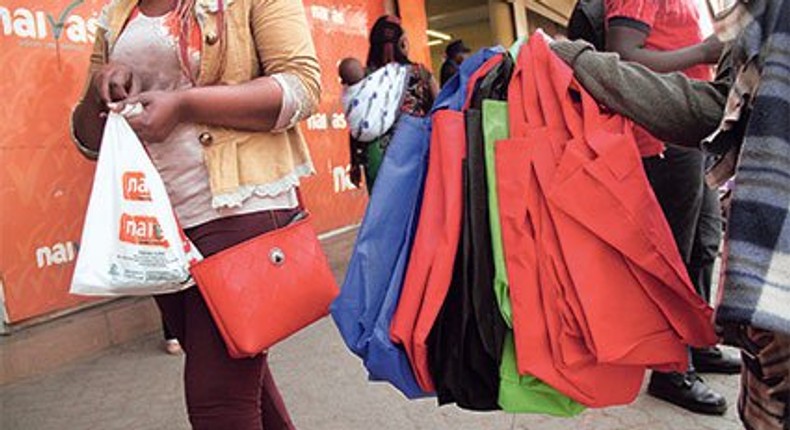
(351, 71)
(371, 102)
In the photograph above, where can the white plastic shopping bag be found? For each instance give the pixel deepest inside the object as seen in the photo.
(131, 242)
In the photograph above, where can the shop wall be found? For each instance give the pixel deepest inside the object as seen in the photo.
(45, 182)
(536, 21)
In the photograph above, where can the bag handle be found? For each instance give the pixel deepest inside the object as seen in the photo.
(299, 197)
(303, 212)
(553, 88)
(524, 110)
(553, 106)
(584, 118)
(452, 94)
(597, 123)
(602, 133)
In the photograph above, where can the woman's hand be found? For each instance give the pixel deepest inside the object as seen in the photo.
(162, 112)
(109, 86)
(115, 82)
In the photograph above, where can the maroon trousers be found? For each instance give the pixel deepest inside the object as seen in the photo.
(223, 393)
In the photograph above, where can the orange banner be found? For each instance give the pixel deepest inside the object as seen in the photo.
(45, 182)
(340, 29)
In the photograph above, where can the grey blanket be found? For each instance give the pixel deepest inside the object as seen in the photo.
(756, 281)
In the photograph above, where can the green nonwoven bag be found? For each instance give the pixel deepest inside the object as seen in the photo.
(495, 128)
(524, 394)
(517, 393)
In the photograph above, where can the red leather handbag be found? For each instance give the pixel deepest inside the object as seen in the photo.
(263, 290)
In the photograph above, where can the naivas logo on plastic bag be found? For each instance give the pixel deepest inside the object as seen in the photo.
(135, 187)
(142, 230)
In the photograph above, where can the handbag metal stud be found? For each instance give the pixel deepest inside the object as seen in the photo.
(277, 256)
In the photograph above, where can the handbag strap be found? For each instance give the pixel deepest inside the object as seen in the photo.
(299, 198)
(303, 212)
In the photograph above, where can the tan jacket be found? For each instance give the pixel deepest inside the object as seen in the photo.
(280, 42)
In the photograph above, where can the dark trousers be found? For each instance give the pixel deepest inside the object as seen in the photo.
(222, 392)
(707, 241)
(677, 181)
(166, 333)
(691, 208)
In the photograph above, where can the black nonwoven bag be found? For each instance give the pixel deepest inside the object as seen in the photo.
(465, 344)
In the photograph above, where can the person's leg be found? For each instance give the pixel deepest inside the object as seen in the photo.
(171, 344)
(221, 392)
(677, 180)
(171, 307)
(706, 243)
(703, 257)
(166, 333)
(275, 415)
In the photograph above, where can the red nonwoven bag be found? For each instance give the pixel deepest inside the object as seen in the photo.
(433, 253)
(606, 156)
(599, 291)
(543, 313)
(431, 262)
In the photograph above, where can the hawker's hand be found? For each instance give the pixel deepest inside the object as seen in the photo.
(712, 48)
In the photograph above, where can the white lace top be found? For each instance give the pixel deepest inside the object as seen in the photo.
(149, 49)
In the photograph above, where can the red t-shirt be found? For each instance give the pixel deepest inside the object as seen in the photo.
(671, 25)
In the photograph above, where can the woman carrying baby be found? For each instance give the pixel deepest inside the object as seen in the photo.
(375, 96)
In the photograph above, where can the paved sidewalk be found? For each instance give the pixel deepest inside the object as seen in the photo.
(136, 386)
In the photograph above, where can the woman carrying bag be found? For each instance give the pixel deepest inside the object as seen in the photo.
(414, 95)
(222, 85)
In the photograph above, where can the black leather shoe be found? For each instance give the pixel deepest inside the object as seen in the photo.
(687, 391)
(714, 360)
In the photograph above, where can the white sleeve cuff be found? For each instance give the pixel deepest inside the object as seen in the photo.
(295, 104)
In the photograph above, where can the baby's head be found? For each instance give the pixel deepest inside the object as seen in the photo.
(351, 71)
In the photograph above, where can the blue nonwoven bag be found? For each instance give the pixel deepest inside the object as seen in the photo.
(374, 278)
